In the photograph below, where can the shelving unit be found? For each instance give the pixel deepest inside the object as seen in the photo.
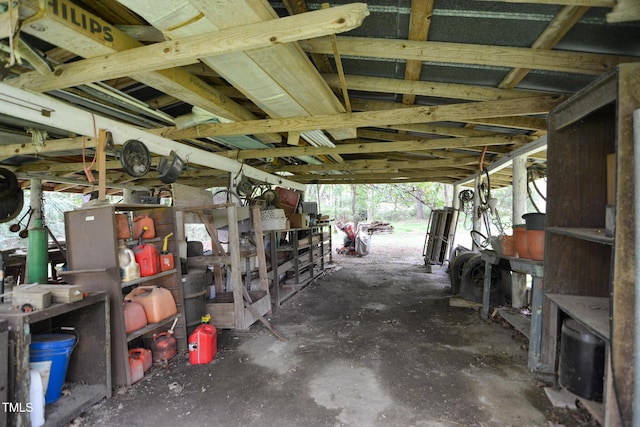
(89, 373)
(589, 276)
(240, 307)
(301, 256)
(92, 250)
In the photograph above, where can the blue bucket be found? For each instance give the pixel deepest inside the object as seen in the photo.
(49, 355)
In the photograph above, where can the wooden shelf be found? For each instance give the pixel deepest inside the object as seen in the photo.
(151, 327)
(592, 312)
(311, 248)
(88, 374)
(92, 251)
(596, 235)
(148, 278)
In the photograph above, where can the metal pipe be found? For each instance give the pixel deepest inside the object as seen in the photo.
(38, 242)
(636, 352)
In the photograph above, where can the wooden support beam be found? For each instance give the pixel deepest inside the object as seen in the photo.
(377, 147)
(425, 114)
(457, 53)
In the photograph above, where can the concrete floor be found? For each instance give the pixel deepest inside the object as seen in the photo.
(374, 342)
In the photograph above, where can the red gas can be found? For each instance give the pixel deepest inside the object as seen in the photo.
(136, 369)
(203, 344)
(164, 346)
(143, 354)
(148, 259)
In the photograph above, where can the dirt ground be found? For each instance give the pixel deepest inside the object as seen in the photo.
(373, 342)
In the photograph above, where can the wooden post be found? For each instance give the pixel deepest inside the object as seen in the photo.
(519, 188)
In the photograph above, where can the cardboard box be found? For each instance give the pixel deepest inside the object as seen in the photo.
(298, 220)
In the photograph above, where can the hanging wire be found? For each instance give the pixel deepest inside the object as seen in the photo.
(534, 173)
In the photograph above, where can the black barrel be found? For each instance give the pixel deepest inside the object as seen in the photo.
(581, 367)
(194, 289)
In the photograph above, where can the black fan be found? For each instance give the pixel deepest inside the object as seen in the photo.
(135, 158)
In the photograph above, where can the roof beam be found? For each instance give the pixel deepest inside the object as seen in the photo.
(176, 53)
(589, 3)
(518, 122)
(433, 89)
(378, 164)
(424, 114)
(457, 53)
(555, 31)
(377, 147)
(419, 23)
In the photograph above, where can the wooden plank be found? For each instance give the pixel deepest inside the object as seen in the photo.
(456, 53)
(379, 147)
(260, 249)
(592, 312)
(423, 114)
(429, 88)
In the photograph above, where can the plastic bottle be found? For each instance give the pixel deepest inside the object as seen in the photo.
(129, 268)
(36, 396)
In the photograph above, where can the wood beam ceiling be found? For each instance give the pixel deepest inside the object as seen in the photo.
(460, 53)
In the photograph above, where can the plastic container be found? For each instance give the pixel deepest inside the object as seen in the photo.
(36, 397)
(129, 268)
(148, 259)
(49, 355)
(534, 220)
(158, 303)
(136, 369)
(507, 245)
(520, 235)
(143, 354)
(581, 364)
(134, 316)
(203, 344)
(139, 223)
(122, 226)
(535, 244)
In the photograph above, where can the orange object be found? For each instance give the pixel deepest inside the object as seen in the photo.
(508, 245)
(143, 354)
(139, 223)
(136, 369)
(122, 226)
(535, 243)
(134, 316)
(520, 235)
(166, 258)
(158, 303)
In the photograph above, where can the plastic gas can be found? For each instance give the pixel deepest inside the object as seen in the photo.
(139, 223)
(203, 344)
